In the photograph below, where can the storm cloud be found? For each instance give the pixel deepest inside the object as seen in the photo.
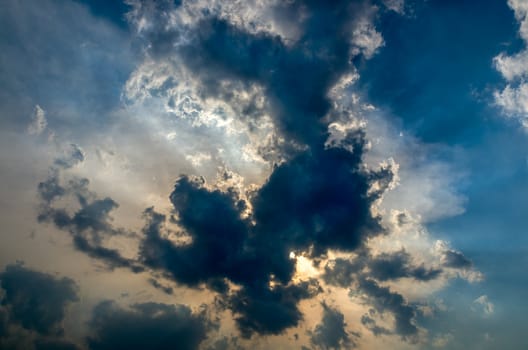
(33, 308)
(331, 333)
(278, 81)
(313, 203)
(146, 326)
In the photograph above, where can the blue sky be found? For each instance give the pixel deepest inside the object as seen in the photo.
(260, 174)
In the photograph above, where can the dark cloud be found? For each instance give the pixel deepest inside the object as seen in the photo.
(317, 201)
(387, 266)
(51, 189)
(383, 267)
(370, 324)
(341, 272)
(360, 273)
(71, 157)
(384, 300)
(212, 219)
(213, 254)
(34, 300)
(146, 326)
(156, 284)
(331, 333)
(89, 225)
(268, 310)
(3, 322)
(456, 260)
(217, 51)
(32, 309)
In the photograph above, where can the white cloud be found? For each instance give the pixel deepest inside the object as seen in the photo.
(253, 16)
(513, 99)
(483, 305)
(442, 340)
(38, 121)
(395, 5)
(520, 7)
(512, 67)
(365, 38)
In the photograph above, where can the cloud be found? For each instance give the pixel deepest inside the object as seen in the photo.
(384, 300)
(72, 156)
(331, 333)
(91, 224)
(38, 121)
(483, 305)
(326, 206)
(165, 289)
(456, 260)
(222, 88)
(395, 5)
(513, 98)
(33, 308)
(341, 272)
(387, 266)
(442, 340)
(146, 326)
(217, 50)
(35, 300)
(317, 200)
(363, 274)
(371, 325)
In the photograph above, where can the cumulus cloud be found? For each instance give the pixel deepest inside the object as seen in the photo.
(241, 82)
(35, 300)
(332, 333)
(456, 259)
(483, 305)
(384, 300)
(33, 308)
(146, 326)
(388, 266)
(91, 223)
(513, 98)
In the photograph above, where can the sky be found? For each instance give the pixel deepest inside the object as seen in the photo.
(263, 174)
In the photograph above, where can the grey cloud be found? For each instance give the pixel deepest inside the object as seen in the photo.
(387, 266)
(326, 206)
(383, 267)
(156, 284)
(216, 50)
(35, 300)
(319, 199)
(384, 300)
(38, 121)
(371, 324)
(456, 260)
(72, 156)
(89, 225)
(32, 309)
(331, 333)
(341, 272)
(146, 326)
